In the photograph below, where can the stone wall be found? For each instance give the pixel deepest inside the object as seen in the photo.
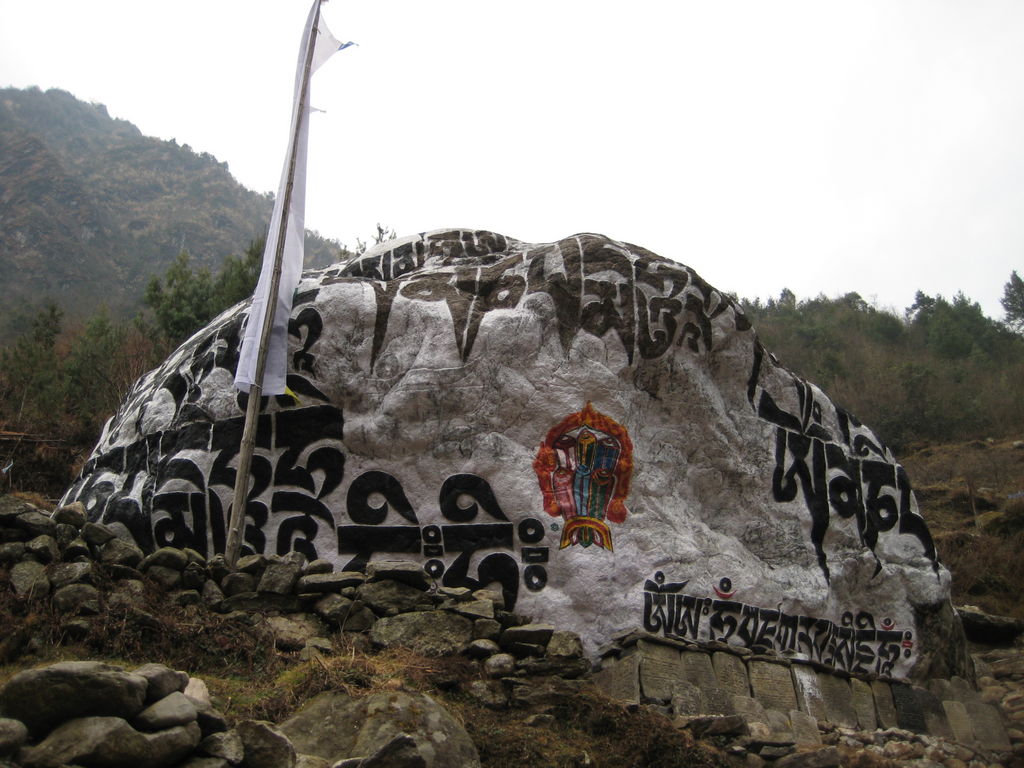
(787, 700)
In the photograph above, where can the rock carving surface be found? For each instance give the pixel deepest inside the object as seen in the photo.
(584, 425)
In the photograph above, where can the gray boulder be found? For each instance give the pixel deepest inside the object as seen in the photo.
(35, 523)
(401, 752)
(490, 375)
(77, 597)
(291, 633)
(63, 574)
(172, 710)
(110, 742)
(167, 557)
(43, 548)
(388, 598)
(265, 745)
(335, 726)
(434, 633)
(404, 571)
(120, 552)
(44, 698)
(72, 514)
(28, 578)
(97, 534)
(226, 745)
(13, 734)
(163, 681)
(279, 578)
(329, 582)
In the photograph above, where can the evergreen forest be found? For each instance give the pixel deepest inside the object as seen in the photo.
(941, 372)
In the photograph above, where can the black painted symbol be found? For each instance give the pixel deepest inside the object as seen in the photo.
(434, 568)
(535, 554)
(531, 531)
(458, 489)
(535, 577)
(373, 483)
(724, 589)
(432, 541)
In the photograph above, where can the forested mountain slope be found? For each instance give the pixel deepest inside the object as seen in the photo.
(90, 208)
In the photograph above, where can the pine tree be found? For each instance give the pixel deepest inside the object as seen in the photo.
(1013, 302)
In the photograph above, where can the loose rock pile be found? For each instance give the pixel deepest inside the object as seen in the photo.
(64, 560)
(392, 603)
(99, 714)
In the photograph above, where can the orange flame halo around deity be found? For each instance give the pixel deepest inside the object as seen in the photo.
(583, 478)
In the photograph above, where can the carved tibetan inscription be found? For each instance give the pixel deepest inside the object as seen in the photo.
(854, 645)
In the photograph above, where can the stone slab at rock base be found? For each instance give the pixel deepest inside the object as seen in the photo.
(772, 685)
(952, 711)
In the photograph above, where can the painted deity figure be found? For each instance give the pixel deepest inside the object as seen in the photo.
(584, 468)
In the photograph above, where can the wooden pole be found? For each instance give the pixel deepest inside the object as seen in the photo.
(238, 505)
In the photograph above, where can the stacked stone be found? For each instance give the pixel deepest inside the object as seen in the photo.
(769, 707)
(104, 716)
(64, 558)
(99, 714)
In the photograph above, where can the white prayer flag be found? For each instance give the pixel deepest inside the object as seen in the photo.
(325, 44)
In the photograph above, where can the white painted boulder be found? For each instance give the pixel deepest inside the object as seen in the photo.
(585, 425)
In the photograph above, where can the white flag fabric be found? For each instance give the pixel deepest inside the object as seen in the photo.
(291, 268)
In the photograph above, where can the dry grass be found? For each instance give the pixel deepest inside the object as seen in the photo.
(587, 730)
(988, 571)
(967, 494)
(993, 469)
(351, 668)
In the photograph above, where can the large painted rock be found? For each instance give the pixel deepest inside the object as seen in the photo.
(585, 425)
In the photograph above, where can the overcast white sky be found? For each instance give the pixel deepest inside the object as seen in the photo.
(869, 146)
